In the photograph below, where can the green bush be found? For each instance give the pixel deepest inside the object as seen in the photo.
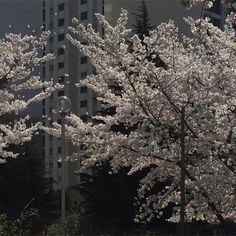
(24, 225)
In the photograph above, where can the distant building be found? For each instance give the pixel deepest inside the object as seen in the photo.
(57, 16)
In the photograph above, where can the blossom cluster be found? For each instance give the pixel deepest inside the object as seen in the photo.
(20, 56)
(190, 3)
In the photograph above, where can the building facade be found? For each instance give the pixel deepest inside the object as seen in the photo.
(68, 68)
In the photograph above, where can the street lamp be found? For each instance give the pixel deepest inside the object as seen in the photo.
(63, 107)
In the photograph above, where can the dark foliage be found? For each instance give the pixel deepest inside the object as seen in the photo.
(108, 204)
(23, 186)
(142, 25)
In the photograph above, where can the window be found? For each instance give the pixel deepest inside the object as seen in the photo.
(61, 7)
(61, 22)
(61, 51)
(94, 71)
(51, 26)
(83, 103)
(61, 65)
(61, 37)
(59, 150)
(83, 89)
(84, 118)
(83, 74)
(61, 93)
(50, 150)
(43, 112)
(83, 60)
(44, 15)
(61, 79)
(84, 15)
(51, 67)
(50, 11)
(43, 140)
(94, 100)
(83, 2)
(51, 39)
(43, 72)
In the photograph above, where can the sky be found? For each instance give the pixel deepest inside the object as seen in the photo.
(23, 16)
(19, 14)
(159, 11)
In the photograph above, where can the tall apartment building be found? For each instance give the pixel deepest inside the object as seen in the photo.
(57, 16)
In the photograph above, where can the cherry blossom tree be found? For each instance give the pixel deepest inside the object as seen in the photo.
(19, 57)
(197, 81)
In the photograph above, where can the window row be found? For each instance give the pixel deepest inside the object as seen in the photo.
(60, 65)
(61, 7)
(59, 150)
(83, 2)
(84, 103)
(61, 22)
(60, 37)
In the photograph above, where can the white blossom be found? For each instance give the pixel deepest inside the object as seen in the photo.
(19, 56)
(199, 75)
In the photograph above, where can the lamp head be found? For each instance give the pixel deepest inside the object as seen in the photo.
(63, 105)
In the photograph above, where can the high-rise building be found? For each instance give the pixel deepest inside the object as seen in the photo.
(68, 68)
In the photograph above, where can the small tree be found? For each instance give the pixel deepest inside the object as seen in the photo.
(19, 58)
(23, 186)
(142, 25)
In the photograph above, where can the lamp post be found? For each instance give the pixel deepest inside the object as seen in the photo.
(63, 107)
(182, 177)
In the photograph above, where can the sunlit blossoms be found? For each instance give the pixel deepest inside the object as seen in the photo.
(191, 3)
(19, 58)
(143, 133)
